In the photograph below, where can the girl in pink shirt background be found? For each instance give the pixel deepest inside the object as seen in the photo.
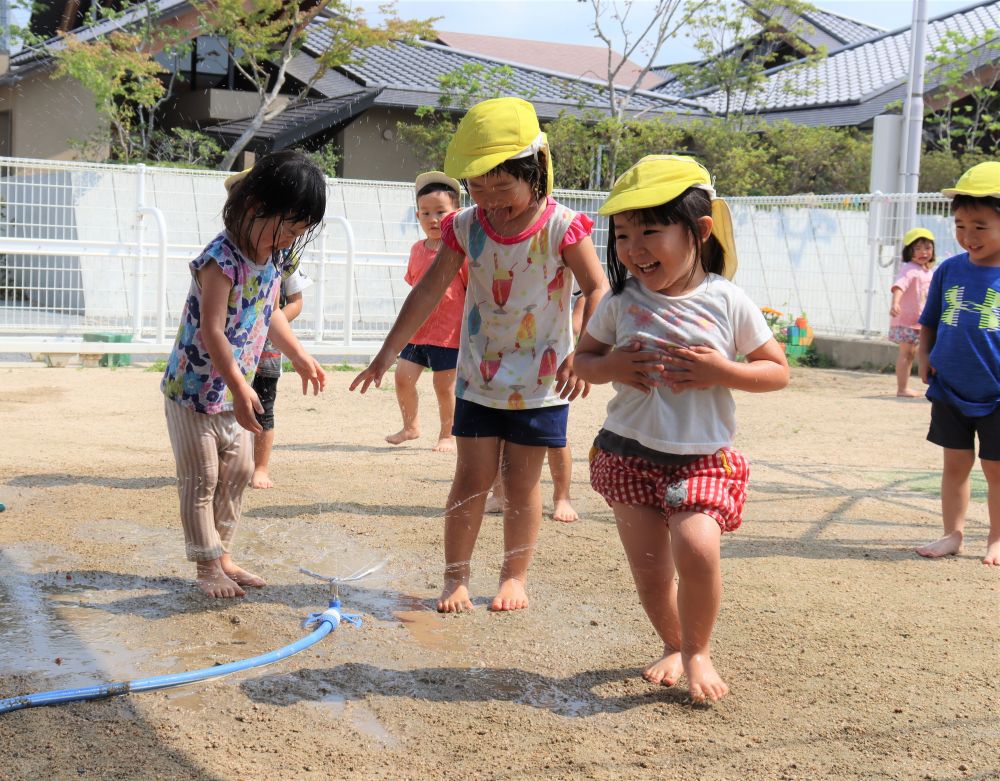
(909, 293)
(435, 344)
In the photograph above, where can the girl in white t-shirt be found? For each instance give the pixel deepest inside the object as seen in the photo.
(668, 338)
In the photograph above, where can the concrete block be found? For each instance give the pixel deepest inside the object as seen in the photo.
(855, 352)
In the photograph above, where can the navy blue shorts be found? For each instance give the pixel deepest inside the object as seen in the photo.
(951, 429)
(437, 359)
(543, 427)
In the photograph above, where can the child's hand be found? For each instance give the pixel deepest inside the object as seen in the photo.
(245, 404)
(634, 366)
(311, 372)
(925, 370)
(379, 366)
(694, 368)
(568, 385)
(894, 310)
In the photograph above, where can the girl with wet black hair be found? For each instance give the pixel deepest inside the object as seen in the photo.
(271, 212)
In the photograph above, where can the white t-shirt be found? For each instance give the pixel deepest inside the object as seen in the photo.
(717, 314)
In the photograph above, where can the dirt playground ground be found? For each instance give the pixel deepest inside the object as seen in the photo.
(848, 656)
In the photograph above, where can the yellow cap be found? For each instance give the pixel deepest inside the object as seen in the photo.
(231, 180)
(658, 179)
(493, 132)
(916, 233)
(981, 181)
(436, 177)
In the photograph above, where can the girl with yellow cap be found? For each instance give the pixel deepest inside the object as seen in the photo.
(524, 251)
(668, 339)
(909, 293)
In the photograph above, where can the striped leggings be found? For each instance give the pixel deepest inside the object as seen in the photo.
(214, 456)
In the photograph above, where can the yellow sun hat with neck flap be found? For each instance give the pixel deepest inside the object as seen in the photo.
(658, 179)
(980, 181)
(493, 132)
(231, 180)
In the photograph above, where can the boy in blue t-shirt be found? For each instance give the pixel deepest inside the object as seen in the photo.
(959, 358)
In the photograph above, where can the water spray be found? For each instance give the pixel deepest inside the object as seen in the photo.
(324, 622)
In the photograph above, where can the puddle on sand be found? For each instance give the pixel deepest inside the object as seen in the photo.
(362, 719)
(41, 635)
(424, 624)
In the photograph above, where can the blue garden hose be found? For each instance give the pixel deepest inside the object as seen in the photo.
(327, 621)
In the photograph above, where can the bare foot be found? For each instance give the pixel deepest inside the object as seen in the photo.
(243, 577)
(704, 682)
(445, 444)
(261, 479)
(909, 393)
(992, 553)
(948, 545)
(403, 435)
(213, 582)
(666, 670)
(493, 504)
(454, 597)
(510, 596)
(564, 512)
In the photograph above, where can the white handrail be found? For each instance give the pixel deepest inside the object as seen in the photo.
(348, 282)
(161, 271)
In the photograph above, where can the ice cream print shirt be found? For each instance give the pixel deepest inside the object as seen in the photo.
(190, 378)
(517, 326)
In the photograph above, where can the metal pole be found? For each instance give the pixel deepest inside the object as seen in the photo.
(140, 188)
(874, 245)
(913, 128)
(161, 271)
(321, 293)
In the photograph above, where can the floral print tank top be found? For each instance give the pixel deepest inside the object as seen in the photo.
(190, 378)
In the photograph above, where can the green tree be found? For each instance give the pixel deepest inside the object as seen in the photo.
(120, 70)
(264, 36)
(818, 159)
(429, 134)
(641, 45)
(962, 111)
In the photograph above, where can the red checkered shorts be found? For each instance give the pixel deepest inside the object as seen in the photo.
(715, 485)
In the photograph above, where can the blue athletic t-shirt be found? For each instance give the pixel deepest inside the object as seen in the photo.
(963, 304)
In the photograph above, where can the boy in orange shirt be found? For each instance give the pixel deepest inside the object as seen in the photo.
(435, 344)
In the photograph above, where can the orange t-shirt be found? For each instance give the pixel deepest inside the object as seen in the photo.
(443, 328)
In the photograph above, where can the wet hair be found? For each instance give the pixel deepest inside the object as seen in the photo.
(438, 187)
(975, 202)
(533, 169)
(908, 251)
(686, 209)
(282, 184)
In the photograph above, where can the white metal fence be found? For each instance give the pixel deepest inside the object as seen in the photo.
(88, 248)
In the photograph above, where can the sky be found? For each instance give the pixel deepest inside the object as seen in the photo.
(570, 21)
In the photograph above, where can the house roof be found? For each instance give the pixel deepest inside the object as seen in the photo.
(814, 28)
(843, 28)
(583, 61)
(409, 74)
(867, 73)
(30, 57)
(299, 122)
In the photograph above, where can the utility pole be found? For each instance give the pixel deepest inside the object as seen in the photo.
(913, 117)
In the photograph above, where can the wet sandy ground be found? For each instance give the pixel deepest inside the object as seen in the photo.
(848, 656)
